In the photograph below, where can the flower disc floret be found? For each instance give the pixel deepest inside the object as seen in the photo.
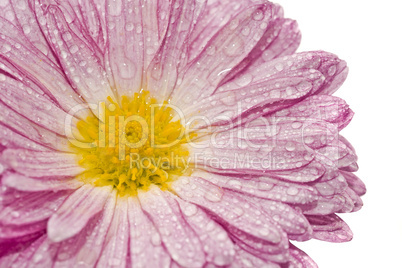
(133, 145)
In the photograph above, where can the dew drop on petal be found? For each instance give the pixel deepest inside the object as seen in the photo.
(258, 15)
(129, 27)
(156, 239)
(279, 66)
(6, 48)
(292, 191)
(235, 47)
(290, 146)
(213, 195)
(190, 210)
(73, 49)
(304, 86)
(245, 31)
(244, 80)
(37, 258)
(26, 28)
(332, 70)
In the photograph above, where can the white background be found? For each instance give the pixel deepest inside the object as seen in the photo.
(368, 35)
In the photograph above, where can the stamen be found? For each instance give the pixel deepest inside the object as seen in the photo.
(138, 144)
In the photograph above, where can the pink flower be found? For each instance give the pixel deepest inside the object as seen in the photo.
(167, 134)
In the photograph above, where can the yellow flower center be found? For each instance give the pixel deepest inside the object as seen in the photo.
(132, 145)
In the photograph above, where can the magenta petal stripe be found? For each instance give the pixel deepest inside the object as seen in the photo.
(180, 133)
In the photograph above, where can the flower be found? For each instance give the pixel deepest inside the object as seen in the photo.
(167, 134)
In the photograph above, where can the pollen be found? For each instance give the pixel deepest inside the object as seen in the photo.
(132, 145)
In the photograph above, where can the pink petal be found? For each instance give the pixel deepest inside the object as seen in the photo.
(86, 247)
(224, 51)
(125, 52)
(24, 258)
(163, 70)
(145, 240)
(329, 65)
(36, 67)
(7, 11)
(263, 187)
(31, 210)
(290, 220)
(24, 127)
(90, 15)
(214, 17)
(40, 164)
(308, 173)
(330, 228)
(134, 40)
(354, 183)
(250, 99)
(243, 153)
(244, 259)
(281, 38)
(175, 233)
(78, 59)
(39, 109)
(22, 15)
(15, 232)
(11, 139)
(69, 219)
(229, 209)
(115, 248)
(217, 245)
(355, 198)
(26, 184)
(43, 256)
(327, 108)
(300, 259)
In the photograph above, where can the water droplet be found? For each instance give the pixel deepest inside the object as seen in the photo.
(6, 48)
(235, 184)
(236, 47)
(66, 36)
(26, 28)
(245, 31)
(263, 232)
(15, 214)
(258, 15)
(214, 195)
(304, 86)
(129, 27)
(244, 80)
(279, 66)
(296, 125)
(309, 140)
(73, 49)
(263, 186)
(290, 146)
(332, 70)
(63, 54)
(190, 210)
(37, 258)
(292, 191)
(156, 239)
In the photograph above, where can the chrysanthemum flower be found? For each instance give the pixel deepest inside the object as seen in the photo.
(155, 133)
